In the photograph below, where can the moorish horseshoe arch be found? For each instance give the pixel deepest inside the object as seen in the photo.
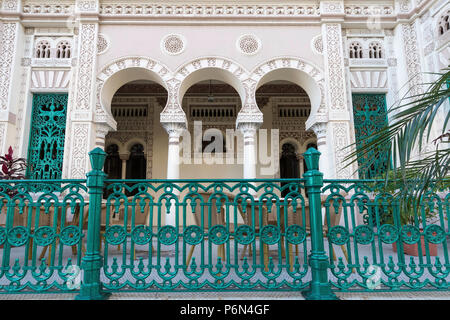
(122, 70)
(137, 140)
(217, 68)
(293, 141)
(125, 69)
(299, 71)
(116, 142)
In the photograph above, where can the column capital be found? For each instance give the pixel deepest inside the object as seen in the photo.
(320, 130)
(101, 130)
(248, 128)
(249, 113)
(174, 129)
(124, 155)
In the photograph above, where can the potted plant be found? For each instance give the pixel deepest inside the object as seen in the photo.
(413, 249)
(411, 213)
(11, 168)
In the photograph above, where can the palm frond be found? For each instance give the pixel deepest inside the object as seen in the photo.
(411, 126)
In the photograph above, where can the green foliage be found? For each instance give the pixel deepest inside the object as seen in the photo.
(12, 168)
(411, 121)
(410, 204)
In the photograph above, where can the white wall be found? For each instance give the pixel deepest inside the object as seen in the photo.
(211, 40)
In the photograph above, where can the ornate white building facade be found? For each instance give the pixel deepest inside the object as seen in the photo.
(128, 75)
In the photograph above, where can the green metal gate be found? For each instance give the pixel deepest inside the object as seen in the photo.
(369, 116)
(47, 134)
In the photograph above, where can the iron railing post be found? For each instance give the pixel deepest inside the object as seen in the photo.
(91, 286)
(320, 288)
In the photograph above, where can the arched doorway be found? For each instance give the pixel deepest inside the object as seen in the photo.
(289, 165)
(113, 164)
(211, 107)
(136, 106)
(286, 108)
(136, 164)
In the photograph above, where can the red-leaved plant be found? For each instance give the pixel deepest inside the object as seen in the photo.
(12, 168)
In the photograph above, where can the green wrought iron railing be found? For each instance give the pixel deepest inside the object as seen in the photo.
(400, 249)
(231, 234)
(305, 235)
(39, 219)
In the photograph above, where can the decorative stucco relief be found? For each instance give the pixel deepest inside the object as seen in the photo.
(294, 63)
(248, 44)
(335, 66)
(79, 150)
(102, 114)
(317, 44)
(331, 7)
(173, 82)
(87, 53)
(7, 54)
(373, 79)
(340, 131)
(369, 10)
(50, 79)
(173, 44)
(87, 5)
(2, 136)
(208, 10)
(10, 5)
(412, 57)
(239, 72)
(48, 8)
(102, 43)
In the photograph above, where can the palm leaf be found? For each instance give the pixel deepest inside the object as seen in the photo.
(411, 123)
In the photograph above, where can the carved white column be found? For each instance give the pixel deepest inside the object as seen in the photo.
(410, 70)
(174, 130)
(11, 33)
(320, 130)
(124, 157)
(249, 130)
(248, 121)
(339, 134)
(85, 135)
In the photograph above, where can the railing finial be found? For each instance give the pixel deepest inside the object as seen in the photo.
(97, 157)
(312, 157)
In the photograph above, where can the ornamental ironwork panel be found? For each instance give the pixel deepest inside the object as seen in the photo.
(369, 114)
(48, 126)
(172, 235)
(398, 249)
(41, 235)
(232, 235)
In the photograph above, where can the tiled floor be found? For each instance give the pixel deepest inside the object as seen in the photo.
(239, 296)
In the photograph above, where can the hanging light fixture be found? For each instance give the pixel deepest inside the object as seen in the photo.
(210, 96)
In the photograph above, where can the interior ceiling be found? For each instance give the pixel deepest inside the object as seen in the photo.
(215, 87)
